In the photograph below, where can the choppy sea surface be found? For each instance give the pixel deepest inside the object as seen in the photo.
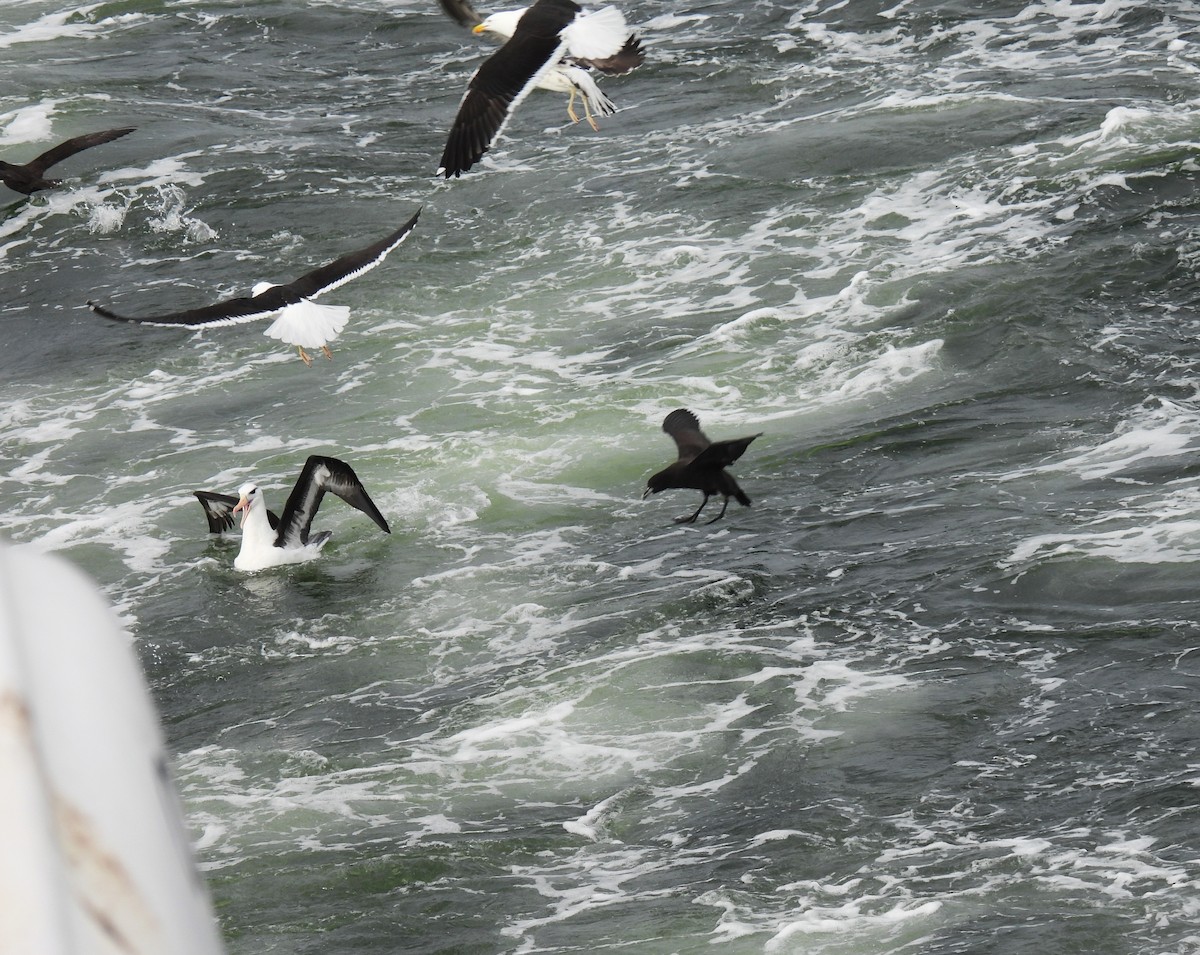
(932, 693)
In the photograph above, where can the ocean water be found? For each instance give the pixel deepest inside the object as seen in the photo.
(931, 693)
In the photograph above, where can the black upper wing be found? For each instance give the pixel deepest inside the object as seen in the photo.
(72, 146)
(350, 266)
(321, 474)
(232, 311)
(218, 510)
(247, 308)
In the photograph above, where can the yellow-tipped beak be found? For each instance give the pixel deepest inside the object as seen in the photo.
(478, 28)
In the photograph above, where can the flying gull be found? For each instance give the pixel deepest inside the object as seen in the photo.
(552, 45)
(299, 320)
(701, 464)
(269, 540)
(29, 178)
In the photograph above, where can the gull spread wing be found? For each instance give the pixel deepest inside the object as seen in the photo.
(596, 35)
(321, 474)
(504, 79)
(247, 308)
(352, 265)
(628, 58)
(232, 311)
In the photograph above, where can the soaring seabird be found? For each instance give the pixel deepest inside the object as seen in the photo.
(268, 540)
(701, 464)
(29, 178)
(552, 45)
(300, 321)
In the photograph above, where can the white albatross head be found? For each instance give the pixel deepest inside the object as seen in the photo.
(248, 497)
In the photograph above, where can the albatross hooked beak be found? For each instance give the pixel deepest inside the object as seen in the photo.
(242, 505)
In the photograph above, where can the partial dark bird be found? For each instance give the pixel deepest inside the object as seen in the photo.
(701, 464)
(268, 540)
(553, 45)
(299, 321)
(30, 177)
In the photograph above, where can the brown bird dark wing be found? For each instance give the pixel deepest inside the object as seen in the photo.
(72, 146)
(461, 12)
(723, 453)
(684, 427)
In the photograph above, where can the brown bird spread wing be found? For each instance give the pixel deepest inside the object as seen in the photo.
(684, 427)
(461, 12)
(72, 146)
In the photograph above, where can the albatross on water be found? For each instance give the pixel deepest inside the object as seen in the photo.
(552, 45)
(30, 177)
(299, 320)
(701, 464)
(270, 541)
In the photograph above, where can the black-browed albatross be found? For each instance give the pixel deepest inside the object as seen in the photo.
(300, 321)
(269, 541)
(30, 177)
(701, 464)
(553, 45)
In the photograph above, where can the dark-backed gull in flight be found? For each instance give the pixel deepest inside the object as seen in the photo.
(30, 177)
(269, 541)
(553, 45)
(701, 464)
(299, 321)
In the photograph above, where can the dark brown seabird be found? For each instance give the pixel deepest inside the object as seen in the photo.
(30, 177)
(701, 464)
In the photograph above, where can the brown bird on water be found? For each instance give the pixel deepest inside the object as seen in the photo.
(29, 178)
(701, 464)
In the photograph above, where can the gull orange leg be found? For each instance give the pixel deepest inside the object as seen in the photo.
(571, 106)
(304, 356)
(328, 354)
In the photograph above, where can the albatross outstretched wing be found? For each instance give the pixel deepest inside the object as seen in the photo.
(321, 474)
